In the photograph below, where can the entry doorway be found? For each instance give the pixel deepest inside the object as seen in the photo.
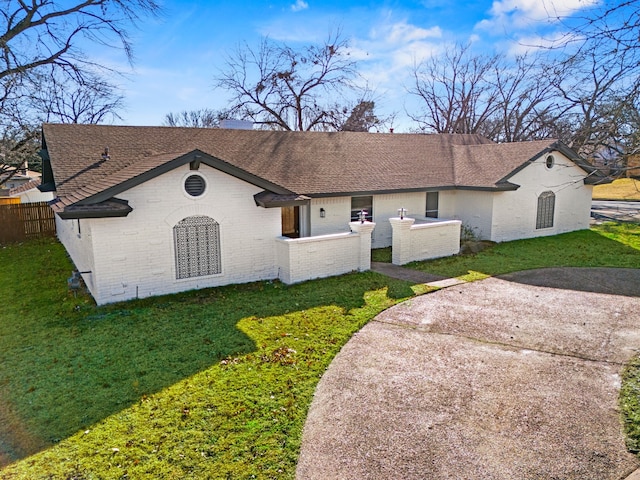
(291, 222)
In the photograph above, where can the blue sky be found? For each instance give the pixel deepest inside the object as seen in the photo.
(178, 54)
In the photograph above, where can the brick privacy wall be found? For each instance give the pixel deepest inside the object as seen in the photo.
(322, 256)
(134, 255)
(424, 241)
(514, 213)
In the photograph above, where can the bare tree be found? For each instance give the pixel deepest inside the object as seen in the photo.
(613, 23)
(89, 100)
(44, 75)
(46, 32)
(603, 55)
(18, 147)
(203, 118)
(280, 87)
(456, 91)
(527, 108)
(599, 94)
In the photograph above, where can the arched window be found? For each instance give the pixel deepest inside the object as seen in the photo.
(197, 247)
(546, 207)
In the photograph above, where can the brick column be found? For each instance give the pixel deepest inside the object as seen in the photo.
(401, 240)
(364, 230)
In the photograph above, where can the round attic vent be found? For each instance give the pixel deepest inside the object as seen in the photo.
(550, 161)
(195, 185)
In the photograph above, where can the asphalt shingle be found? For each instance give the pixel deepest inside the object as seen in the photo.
(304, 163)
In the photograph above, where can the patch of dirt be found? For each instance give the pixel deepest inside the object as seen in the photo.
(471, 247)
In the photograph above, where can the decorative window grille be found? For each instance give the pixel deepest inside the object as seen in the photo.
(197, 247)
(546, 207)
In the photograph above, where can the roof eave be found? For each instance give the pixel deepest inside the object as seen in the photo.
(114, 207)
(268, 199)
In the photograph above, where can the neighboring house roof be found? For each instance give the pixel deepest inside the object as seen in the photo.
(25, 187)
(93, 163)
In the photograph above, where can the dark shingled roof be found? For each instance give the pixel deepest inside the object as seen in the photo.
(301, 163)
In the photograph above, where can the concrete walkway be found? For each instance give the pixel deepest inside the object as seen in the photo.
(416, 276)
(506, 378)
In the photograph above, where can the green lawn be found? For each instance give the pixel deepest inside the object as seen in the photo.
(611, 245)
(208, 384)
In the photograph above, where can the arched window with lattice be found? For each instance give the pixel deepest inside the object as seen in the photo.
(546, 207)
(197, 247)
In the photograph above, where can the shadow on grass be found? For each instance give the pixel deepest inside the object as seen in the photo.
(66, 364)
(611, 281)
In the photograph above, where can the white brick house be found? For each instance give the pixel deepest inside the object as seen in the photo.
(146, 211)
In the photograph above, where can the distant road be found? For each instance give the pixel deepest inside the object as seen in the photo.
(619, 211)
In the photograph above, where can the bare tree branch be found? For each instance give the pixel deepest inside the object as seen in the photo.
(457, 91)
(280, 87)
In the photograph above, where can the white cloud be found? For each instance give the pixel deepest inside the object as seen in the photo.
(299, 5)
(388, 54)
(403, 32)
(521, 13)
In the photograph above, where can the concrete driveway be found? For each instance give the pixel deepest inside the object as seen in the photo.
(514, 377)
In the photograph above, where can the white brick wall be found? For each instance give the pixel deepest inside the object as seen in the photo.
(474, 209)
(337, 215)
(386, 206)
(423, 241)
(301, 259)
(514, 214)
(78, 242)
(134, 255)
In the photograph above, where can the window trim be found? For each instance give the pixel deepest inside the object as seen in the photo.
(426, 207)
(355, 211)
(549, 162)
(186, 177)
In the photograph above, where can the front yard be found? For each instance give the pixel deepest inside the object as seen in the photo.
(208, 384)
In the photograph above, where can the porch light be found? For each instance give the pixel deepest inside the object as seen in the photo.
(362, 216)
(402, 212)
(323, 213)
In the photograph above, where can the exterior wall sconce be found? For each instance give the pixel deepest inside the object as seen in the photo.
(402, 212)
(362, 216)
(323, 213)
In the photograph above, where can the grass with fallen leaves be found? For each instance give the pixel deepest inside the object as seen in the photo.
(213, 383)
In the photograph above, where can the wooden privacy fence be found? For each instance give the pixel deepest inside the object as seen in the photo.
(26, 221)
